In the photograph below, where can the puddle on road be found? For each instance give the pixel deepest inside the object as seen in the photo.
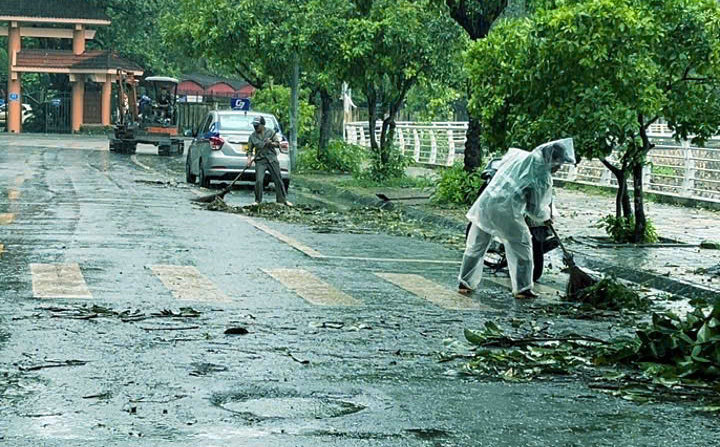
(293, 407)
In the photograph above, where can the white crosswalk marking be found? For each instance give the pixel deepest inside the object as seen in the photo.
(58, 281)
(311, 288)
(284, 238)
(187, 283)
(428, 290)
(6, 218)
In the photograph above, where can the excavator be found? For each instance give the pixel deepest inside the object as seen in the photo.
(150, 120)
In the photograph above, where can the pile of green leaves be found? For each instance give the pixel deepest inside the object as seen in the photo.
(671, 347)
(361, 220)
(457, 186)
(622, 229)
(339, 157)
(609, 294)
(529, 356)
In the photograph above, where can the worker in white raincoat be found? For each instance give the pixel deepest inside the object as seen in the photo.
(522, 187)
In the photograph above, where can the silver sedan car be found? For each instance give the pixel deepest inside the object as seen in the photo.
(219, 151)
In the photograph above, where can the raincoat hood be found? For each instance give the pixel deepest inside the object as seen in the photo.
(556, 153)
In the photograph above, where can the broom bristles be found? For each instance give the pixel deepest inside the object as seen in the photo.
(579, 280)
(209, 198)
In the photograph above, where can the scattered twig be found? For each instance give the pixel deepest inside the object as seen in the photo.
(507, 341)
(302, 362)
(105, 395)
(176, 328)
(54, 365)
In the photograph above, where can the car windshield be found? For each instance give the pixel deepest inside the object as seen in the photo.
(242, 123)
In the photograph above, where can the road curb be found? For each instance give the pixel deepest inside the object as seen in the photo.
(646, 279)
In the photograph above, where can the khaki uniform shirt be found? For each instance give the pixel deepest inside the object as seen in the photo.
(256, 145)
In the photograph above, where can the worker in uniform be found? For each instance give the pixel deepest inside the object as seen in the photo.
(262, 148)
(521, 188)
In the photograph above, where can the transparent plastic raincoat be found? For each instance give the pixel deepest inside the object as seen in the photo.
(522, 187)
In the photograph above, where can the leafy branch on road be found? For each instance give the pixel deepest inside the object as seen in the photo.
(668, 358)
(94, 311)
(361, 220)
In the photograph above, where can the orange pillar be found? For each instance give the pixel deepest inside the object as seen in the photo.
(79, 39)
(78, 86)
(14, 109)
(106, 100)
(78, 102)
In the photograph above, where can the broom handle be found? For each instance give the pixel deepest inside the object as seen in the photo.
(567, 253)
(247, 165)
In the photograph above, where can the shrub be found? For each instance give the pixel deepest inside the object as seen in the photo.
(379, 172)
(457, 186)
(621, 229)
(340, 157)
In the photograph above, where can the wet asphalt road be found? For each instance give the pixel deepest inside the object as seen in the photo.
(337, 353)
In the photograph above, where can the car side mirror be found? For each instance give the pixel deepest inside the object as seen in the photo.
(194, 132)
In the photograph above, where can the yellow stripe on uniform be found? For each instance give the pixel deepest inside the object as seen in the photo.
(6, 218)
(58, 281)
(187, 283)
(311, 288)
(428, 290)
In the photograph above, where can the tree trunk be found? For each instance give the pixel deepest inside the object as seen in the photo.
(386, 139)
(372, 118)
(473, 152)
(294, 91)
(640, 219)
(622, 198)
(325, 103)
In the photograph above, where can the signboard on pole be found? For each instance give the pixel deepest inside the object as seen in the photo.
(240, 104)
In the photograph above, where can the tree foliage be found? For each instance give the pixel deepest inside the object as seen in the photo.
(390, 46)
(601, 71)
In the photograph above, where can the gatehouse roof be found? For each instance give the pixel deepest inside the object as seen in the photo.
(56, 11)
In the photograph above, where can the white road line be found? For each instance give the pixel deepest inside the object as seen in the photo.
(419, 261)
(311, 288)
(187, 283)
(428, 290)
(58, 281)
(284, 238)
(6, 218)
(137, 162)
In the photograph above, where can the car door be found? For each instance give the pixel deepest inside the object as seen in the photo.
(200, 145)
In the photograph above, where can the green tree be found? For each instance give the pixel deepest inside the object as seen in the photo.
(602, 72)
(390, 46)
(476, 18)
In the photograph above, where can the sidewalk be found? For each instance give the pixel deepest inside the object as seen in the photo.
(675, 265)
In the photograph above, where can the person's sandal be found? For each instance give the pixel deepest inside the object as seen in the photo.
(526, 295)
(464, 290)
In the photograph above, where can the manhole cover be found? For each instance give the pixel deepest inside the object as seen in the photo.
(293, 407)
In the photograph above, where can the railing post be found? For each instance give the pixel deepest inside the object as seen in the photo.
(416, 153)
(451, 148)
(401, 140)
(646, 176)
(572, 173)
(433, 147)
(606, 177)
(362, 135)
(690, 172)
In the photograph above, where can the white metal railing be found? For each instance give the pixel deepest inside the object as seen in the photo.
(674, 168)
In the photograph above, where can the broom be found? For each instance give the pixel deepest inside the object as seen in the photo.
(579, 279)
(209, 198)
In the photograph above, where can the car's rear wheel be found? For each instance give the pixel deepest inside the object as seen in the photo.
(189, 176)
(203, 178)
